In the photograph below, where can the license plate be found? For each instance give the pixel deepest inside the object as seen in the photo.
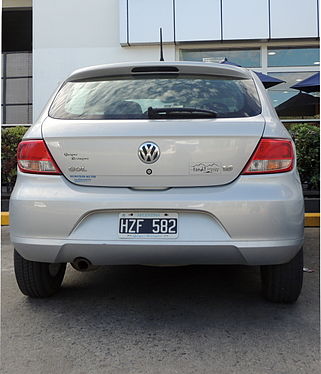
(148, 225)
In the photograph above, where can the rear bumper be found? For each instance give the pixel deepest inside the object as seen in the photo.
(169, 253)
(255, 220)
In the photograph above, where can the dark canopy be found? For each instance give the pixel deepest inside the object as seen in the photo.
(301, 104)
(311, 84)
(267, 80)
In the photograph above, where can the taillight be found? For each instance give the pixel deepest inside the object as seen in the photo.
(34, 157)
(271, 156)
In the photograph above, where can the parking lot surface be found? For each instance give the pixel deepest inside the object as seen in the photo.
(139, 319)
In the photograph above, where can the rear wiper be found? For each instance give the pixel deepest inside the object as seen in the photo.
(179, 112)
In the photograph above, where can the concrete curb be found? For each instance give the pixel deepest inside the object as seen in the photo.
(310, 219)
(5, 219)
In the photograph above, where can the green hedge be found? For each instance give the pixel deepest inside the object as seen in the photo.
(10, 138)
(307, 142)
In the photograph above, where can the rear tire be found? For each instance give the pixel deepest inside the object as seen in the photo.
(283, 283)
(38, 279)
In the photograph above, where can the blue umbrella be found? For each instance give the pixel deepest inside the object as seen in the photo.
(311, 84)
(267, 80)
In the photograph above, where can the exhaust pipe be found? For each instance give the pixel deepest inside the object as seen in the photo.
(82, 264)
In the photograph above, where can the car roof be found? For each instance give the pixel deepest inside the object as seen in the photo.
(156, 67)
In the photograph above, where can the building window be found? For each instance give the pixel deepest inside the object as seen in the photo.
(282, 93)
(16, 66)
(17, 88)
(293, 56)
(293, 65)
(290, 64)
(243, 57)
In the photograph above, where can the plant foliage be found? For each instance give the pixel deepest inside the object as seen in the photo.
(10, 138)
(307, 142)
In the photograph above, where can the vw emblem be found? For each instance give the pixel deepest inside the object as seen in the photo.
(148, 152)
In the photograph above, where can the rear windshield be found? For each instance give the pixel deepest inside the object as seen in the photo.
(136, 97)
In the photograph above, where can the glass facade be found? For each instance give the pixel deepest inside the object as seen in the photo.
(290, 64)
(17, 88)
(283, 92)
(16, 79)
(243, 57)
(293, 57)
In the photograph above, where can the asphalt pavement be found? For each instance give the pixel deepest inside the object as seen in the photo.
(147, 320)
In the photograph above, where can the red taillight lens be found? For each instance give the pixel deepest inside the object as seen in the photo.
(271, 156)
(34, 157)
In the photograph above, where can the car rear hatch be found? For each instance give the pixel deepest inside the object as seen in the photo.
(203, 152)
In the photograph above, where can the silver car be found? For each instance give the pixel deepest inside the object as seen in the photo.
(158, 163)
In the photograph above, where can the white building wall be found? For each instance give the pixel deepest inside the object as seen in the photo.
(193, 24)
(245, 19)
(219, 20)
(72, 34)
(294, 18)
(145, 17)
